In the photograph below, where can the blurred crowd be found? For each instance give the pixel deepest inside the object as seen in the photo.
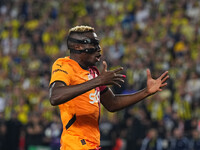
(156, 34)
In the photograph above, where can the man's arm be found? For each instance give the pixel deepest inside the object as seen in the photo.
(60, 93)
(114, 102)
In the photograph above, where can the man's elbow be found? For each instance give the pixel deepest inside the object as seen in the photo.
(111, 109)
(53, 102)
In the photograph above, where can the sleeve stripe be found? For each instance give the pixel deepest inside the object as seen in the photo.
(57, 81)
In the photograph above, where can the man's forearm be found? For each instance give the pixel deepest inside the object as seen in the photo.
(127, 100)
(118, 102)
(62, 94)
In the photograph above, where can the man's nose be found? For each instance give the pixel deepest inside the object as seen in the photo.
(98, 47)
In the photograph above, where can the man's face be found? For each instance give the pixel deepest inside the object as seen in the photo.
(90, 59)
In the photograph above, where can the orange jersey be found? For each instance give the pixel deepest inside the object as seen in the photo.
(80, 115)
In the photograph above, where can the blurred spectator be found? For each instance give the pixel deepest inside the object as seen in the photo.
(152, 141)
(34, 131)
(195, 140)
(120, 143)
(107, 133)
(13, 132)
(53, 132)
(179, 141)
(136, 129)
(2, 104)
(193, 87)
(2, 131)
(115, 53)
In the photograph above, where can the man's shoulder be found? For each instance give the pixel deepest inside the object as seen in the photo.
(62, 64)
(63, 61)
(66, 64)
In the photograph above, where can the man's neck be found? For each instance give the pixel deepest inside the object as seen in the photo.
(79, 62)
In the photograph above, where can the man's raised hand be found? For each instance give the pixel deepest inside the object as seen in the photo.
(154, 85)
(111, 77)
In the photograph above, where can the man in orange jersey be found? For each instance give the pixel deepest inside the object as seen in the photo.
(78, 88)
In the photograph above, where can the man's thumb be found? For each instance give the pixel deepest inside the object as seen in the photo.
(148, 73)
(104, 66)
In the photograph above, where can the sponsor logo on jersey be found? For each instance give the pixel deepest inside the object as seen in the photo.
(60, 70)
(95, 97)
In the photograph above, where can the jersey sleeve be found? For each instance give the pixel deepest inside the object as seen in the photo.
(103, 89)
(60, 72)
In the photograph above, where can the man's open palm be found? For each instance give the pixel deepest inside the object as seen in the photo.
(154, 85)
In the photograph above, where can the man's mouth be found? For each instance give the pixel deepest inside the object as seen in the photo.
(98, 57)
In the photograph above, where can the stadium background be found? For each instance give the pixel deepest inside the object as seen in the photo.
(156, 34)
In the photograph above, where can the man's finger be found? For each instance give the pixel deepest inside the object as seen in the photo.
(117, 70)
(148, 74)
(120, 76)
(162, 85)
(119, 80)
(163, 80)
(163, 75)
(116, 84)
(104, 65)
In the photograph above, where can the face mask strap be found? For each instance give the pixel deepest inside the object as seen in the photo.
(87, 50)
(85, 41)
